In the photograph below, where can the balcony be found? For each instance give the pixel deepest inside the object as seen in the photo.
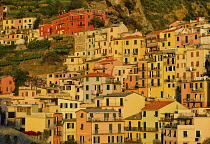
(110, 81)
(81, 25)
(154, 76)
(152, 44)
(166, 63)
(51, 126)
(194, 100)
(134, 54)
(127, 54)
(132, 139)
(155, 84)
(166, 119)
(58, 123)
(57, 133)
(154, 68)
(142, 129)
(190, 69)
(104, 132)
(195, 90)
(104, 119)
(172, 126)
(142, 69)
(169, 80)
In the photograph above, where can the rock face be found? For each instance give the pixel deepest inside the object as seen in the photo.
(12, 136)
(147, 15)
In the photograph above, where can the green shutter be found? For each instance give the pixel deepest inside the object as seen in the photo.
(197, 133)
(184, 133)
(87, 79)
(97, 78)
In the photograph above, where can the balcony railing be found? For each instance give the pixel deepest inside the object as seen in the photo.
(195, 90)
(166, 119)
(154, 68)
(132, 140)
(147, 129)
(154, 76)
(169, 80)
(155, 84)
(127, 54)
(142, 69)
(104, 119)
(58, 122)
(174, 126)
(57, 133)
(98, 132)
(192, 100)
(190, 69)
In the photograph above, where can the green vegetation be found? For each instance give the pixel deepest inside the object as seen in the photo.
(23, 58)
(50, 58)
(97, 22)
(39, 44)
(19, 76)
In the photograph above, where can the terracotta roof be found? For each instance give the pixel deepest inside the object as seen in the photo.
(135, 36)
(98, 75)
(156, 105)
(155, 32)
(171, 30)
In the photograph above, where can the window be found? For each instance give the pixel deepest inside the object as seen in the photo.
(87, 96)
(144, 113)
(121, 101)
(87, 87)
(70, 137)
(191, 85)
(184, 133)
(97, 78)
(72, 60)
(177, 38)
(198, 134)
(23, 121)
(196, 37)
(156, 136)
(96, 139)
(82, 126)
(107, 87)
(156, 114)
(81, 115)
(127, 42)
(70, 125)
(87, 79)
(11, 114)
(169, 35)
(145, 135)
(135, 42)
(191, 54)
(197, 54)
(201, 85)
(169, 43)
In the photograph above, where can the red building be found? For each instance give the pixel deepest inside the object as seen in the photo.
(7, 84)
(1, 13)
(71, 22)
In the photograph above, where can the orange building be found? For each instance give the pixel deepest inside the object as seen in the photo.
(7, 85)
(99, 126)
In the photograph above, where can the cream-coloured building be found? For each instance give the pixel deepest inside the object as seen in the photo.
(151, 114)
(127, 103)
(186, 126)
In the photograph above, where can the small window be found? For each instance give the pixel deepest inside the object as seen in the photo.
(87, 79)
(184, 133)
(127, 42)
(135, 42)
(97, 78)
(145, 135)
(81, 115)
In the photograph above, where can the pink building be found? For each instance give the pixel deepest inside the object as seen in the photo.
(99, 126)
(57, 134)
(1, 13)
(188, 36)
(106, 66)
(7, 85)
(18, 23)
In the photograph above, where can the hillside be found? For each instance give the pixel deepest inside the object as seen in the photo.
(143, 15)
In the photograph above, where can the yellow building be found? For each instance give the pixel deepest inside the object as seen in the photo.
(151, 114)
(28, 22)
(134, 48)
(9, 26)
(186, 126)
(127, 103)
(132, 128)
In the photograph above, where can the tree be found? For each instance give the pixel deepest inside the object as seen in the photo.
(97, 22)
(50, 58)
(37, 22)
(74, 4)
(19, 77)
(39, 44)
(206, 141)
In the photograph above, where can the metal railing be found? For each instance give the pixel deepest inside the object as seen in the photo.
(147, 129)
